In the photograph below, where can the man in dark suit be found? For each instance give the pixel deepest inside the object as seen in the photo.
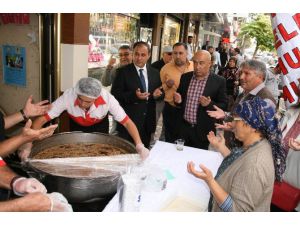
(136, 87)
(198, 92)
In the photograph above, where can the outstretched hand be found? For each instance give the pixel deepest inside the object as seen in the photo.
(203, 174)
(37, 109)
(218, 113)
(140, 95)
(217, 142)
(225, 126)
(31, 135)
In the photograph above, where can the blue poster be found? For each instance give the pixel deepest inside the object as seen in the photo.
(14, 65)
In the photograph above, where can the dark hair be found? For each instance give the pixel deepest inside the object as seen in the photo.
(180, 44)
(125, 47)
(190, 37)
(237, 50)
(232, 58)
(141, 43)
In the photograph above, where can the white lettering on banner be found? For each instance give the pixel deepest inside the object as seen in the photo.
(286, 29)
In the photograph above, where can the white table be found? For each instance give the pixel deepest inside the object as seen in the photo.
(183, 185)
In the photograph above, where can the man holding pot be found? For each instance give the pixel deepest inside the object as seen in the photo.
(87, 105)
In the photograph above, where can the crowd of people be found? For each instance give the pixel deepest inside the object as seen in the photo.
(196, 95)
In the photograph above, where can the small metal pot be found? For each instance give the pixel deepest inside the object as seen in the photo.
(78, 190)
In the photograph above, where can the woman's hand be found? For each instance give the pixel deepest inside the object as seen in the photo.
(225, 126)
(205, 174)
(217, 142)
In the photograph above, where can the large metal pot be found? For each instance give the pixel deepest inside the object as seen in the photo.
(78, 190)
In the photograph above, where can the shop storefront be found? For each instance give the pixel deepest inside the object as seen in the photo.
(108, 31)
(171, 32)
(146, 35)
(212, 37)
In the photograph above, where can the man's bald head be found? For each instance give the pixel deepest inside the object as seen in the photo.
(202, 62)
(203, 53)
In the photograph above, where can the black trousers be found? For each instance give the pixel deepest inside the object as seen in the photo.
(190, 134)
(171, 117)
(101, 127)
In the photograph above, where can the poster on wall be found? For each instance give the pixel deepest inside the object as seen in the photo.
(14, 65)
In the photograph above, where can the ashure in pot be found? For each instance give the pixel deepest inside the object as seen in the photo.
(81, 185)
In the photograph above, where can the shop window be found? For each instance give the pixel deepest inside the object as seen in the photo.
(108, 31)
(146, 35)
(171, 33)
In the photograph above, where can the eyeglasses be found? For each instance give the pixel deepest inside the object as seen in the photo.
(237, 119)
(169, 53)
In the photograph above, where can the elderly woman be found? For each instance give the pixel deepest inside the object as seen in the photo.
(245, 179)
(87, 106)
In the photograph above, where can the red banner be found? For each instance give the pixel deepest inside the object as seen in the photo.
(286, 29)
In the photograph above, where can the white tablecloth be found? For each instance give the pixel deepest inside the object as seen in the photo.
(180, 184)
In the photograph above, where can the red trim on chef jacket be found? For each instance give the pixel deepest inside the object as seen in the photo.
(86, 122)
(47, 117)
(124, 120)
(2, 162)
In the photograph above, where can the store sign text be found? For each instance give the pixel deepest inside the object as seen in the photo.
(14, 18)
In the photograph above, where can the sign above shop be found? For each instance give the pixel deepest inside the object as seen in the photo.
(14, 18)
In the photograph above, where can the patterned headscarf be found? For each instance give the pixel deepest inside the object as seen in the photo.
(260, 115)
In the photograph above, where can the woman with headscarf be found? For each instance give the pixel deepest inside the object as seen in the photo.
(230, 74)
(88, 105)
(245, 179)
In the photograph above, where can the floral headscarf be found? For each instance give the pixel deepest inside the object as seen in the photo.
(260, 115)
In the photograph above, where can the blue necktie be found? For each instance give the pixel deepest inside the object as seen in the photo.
(142, 79)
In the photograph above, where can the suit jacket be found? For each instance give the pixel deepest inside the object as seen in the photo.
(158, 64)
(215, 88)
(264, 93)
(141, 112)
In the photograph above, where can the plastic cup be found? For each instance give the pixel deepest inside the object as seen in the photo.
(179, 144)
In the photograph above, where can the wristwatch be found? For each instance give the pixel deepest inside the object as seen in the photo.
(24, 115)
